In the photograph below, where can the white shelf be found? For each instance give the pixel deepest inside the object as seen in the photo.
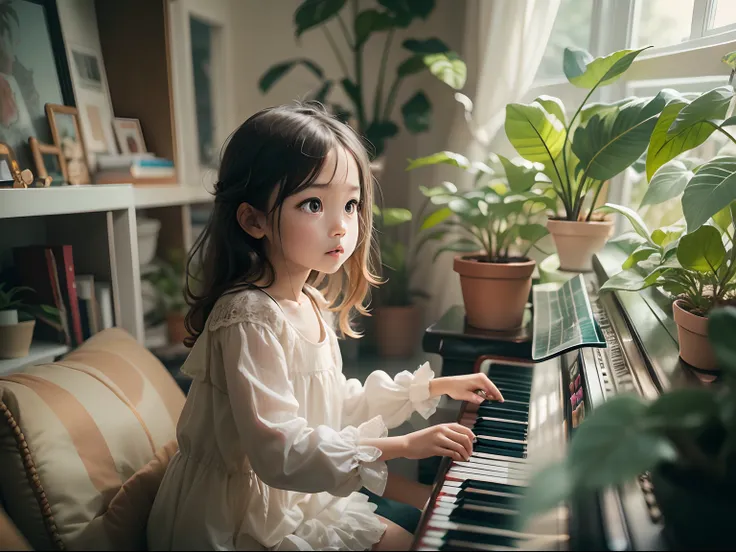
(41, 351)
(163, 196)
(64, 200)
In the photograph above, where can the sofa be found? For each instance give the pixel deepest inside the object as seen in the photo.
(84, 444)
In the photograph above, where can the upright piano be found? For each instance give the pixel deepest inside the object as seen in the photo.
(474, 503)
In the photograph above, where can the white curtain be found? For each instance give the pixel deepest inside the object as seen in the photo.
(503, 47)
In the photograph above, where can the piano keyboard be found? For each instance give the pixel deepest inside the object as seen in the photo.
(476, 505)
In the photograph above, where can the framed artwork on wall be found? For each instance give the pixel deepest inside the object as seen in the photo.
(34, 71)
(67, 133)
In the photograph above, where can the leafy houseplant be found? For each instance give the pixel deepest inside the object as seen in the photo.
(686, 439)
(18, 319)
(580, 155)
(495, 222)
(397, 317)
(376, 123)
(168, 279)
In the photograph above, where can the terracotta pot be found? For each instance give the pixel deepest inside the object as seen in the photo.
(577, 242)
(494, 294)
(15, 339)
(176, 328)
(397, 331)
(692, 333)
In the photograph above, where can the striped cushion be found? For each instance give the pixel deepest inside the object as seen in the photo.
(72, 432)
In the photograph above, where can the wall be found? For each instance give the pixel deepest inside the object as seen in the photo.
(266, 36)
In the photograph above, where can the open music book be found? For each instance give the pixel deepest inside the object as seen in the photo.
(563, 319)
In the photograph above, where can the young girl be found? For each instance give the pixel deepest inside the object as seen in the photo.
(274, 442)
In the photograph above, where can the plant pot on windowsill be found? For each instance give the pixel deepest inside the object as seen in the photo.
(578, 241)
(494, 293)
(15, 339)
(692, 334)
(698, 511)
(397, 330)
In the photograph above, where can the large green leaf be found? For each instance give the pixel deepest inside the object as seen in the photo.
(447, 67)
(682, 408)
(599, 108)
(368, 22)
(520, 179)
(441, 157)
(663, 148)
(404, 11)
(667, 183)
(640, 254)
(711, 106)
(275, 72)
(636, 221)
(462, 245)
(426, 46)
(711, 189)
(417, 112)
(609, 144)
(378, 132)
(535, 134)
(393, 216)
(701, 250)
(628, 242)
(532, 232)
(667, 234)
(721, 332)
(585, 72)
(352, 90)
(613, 445)
(554, 106)
(411, 65)
(546, 489)
(311, 13)
(730, 60)
(433, 219)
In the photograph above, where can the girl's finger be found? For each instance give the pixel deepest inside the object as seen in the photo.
(448, 443)
(492, 391)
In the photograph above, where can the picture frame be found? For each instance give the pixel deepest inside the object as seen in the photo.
(36, 72)
(93, 100)
(130, 136)
(49, 162)
(9, 168)
(66, 131)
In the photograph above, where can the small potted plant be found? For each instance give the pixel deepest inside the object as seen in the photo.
(685, 439)
(167, 279)
(493, 224)
(396, 315)
(18, 319)
(580, 155)
(373, 117)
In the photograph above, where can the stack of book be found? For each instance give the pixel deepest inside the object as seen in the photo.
(85, 305)
(136, 168)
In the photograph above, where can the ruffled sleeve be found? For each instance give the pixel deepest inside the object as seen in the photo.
(283, 450)
(394, 399)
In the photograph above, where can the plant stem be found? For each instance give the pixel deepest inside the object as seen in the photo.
(333, 45)
(595, 198)
(567, 136)
(358, 57)
(391, 99)
(345, 32)
(720, 129)
(381, 76)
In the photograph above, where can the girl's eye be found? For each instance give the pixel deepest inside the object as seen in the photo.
(352, 206)
(311, 206)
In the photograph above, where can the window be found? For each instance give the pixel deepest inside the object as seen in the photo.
(725, 13)
(571, 28)
(202, 34)
(662, 22)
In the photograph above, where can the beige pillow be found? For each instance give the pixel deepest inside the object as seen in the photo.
(123, 526)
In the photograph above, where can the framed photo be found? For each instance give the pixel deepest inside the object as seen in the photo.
(67, 134)
(93, 99)
(49, 162)
(9, 169)
(130, 136)
(34, 71)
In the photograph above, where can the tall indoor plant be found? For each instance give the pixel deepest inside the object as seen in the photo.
(685, 439)
(396, 315)
(580, 155)
(373, 121)
(493, 224)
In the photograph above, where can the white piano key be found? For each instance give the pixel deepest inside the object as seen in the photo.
(500, 464)
(492, 470)
(500, 439)
(477, 508)
(505, 420)
(439, 522)
(499, 457)
(480, 476)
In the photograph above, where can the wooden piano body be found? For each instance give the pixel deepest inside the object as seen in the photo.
(641, 357)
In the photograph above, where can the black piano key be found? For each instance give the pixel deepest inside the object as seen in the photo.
(499, 432)
(494, 406)
(482, 439)
(499, 451)
(507, 414)
(515, 396)
(455, 536)
(511, 503)
(483, 519)
(495, 487)
(500, 424)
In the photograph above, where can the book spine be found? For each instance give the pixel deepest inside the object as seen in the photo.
(69, 284)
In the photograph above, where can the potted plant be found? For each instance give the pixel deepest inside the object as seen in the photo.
(18, 319)
(580, 155)
(685, 439)
(167, 279)
(397, 316)
(493, 224)
(374, 122)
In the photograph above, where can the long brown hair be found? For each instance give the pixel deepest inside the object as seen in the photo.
(281, 148)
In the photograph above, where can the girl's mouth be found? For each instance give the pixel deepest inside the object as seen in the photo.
(336, 252)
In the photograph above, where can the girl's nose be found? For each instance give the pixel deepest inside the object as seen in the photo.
(339, 227)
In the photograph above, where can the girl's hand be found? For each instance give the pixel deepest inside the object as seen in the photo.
(453, 440)
(463, 388)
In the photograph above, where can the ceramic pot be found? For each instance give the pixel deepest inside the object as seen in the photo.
(692, 334)
(578, 241)
(15, 339)
(8, 317)
(397, 331)
(495, 294)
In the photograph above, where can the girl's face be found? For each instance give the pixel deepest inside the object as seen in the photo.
(319, 225)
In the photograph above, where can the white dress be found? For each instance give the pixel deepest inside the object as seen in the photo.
(269, 439)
